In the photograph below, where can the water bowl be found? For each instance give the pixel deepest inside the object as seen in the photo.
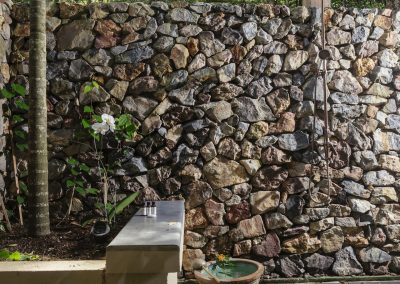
(243, 271)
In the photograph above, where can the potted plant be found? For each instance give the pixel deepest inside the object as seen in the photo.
(229, 270)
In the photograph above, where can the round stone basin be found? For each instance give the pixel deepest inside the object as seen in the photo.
(242, 271)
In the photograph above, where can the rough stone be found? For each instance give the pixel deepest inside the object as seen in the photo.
(221, 172)
(346, 263)
(264, 201)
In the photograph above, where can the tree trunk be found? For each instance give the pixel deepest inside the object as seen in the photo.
(39, 224)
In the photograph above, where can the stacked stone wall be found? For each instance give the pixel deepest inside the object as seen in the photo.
(224, 96)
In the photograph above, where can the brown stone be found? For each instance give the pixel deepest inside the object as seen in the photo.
(76, 35)
(69, 10)
(242, 248)
(252, 227)
(179, 55)
(264, 201)
(192, 46)
(215, 212)
(269, 178)
(355, 237)
(107, 28)
(257, 130)
(189, 255)
(301, 244)
(363, 66)
(105, 41)
(383, 22)
(275, 156)
(286, 123)
(195, 219)
(238, 212)
(221, 172)
(198, 192)
(128, 72)
(269, 247)
(332, 240)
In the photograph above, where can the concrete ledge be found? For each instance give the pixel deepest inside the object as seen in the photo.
(149, 245)
(53, 272)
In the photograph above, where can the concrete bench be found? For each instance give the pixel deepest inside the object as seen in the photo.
(148, 250)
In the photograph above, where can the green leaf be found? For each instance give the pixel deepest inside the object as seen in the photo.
(6, 94)
(92, 190)
(122, 205)
(87, 109)
(81, 191)
(80, 183)
(4, 254)
(72, 162)
(70, 183)
(20, 199)
(95, 84)
(21, 104)
(84, 167)
(15, 256)
(19, 89)
(88, 221)
(21, 134)
(87, 89)
(22, 147)
(23, 187)
(97, 118)
(74, 172)
(85, 123)
(17, 118)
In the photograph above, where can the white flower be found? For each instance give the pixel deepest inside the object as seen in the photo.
(108, 120)
(100, 128)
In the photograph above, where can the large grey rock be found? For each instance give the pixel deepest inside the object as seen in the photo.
(378, 178)
(293, 141)
(317, 263)
(76, 35)
(346, 263)
(183, 15)
(295, 59)
(276, 220)
(252, 110)
(197, 192)
(386, 141)
(338, 37)
(209, 45)
(382, 74)
(135, 55)
(360, 34)
(343, 81)
(356, 189)
(374, 255)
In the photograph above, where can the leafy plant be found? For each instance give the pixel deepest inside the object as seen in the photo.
(5, 254)
(223, 262)
(122, 205)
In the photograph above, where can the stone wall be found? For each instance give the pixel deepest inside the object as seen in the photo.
(5, 45)
(224, 97)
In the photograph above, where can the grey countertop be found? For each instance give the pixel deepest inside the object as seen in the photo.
(164, 232)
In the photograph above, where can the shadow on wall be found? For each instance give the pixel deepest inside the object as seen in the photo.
(223, 95)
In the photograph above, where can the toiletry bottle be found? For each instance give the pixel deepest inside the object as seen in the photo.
(154, 209)
(145, 209)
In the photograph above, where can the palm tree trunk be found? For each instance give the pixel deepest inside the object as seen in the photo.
(39, 224)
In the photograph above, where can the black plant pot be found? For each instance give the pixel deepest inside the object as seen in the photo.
(100, 229)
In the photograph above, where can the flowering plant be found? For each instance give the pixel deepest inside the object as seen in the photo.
(223, 262)
(107, 124)
(117, 129)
